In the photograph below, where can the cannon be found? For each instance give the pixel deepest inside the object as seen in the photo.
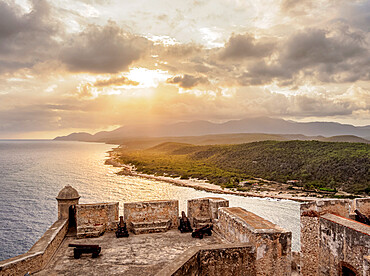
(85, 248)
(205, 230)
(362, 218)
(184, 226)
(121, 229)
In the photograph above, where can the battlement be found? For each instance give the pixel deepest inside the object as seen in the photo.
(242, 242)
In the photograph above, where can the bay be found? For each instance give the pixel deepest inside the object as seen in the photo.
(33, 172)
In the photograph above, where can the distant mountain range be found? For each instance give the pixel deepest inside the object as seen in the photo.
(264, 125)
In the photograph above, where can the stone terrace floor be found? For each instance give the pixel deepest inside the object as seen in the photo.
(137, 255)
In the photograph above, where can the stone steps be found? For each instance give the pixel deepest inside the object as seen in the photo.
(89, 231)
(150, 226)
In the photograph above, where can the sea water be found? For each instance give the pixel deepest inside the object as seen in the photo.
(33, 172)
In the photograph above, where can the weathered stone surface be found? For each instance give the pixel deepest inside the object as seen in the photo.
(222, 259)
(202, 211)
(93, 219)
(362, 205)
(310, 229)
(272, 243)
(67, 197)
(343, 242)
(40, 253)
(150, 212)
(136, 255)
(150, 227)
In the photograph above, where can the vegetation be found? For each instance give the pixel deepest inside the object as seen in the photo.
(318, 165)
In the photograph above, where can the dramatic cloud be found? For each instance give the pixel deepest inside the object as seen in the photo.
(188, 81)
(316, 55)
(26, 38)
(103, 50)
(246, 46)
(95, 64)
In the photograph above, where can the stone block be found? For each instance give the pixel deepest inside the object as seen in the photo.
(93, 219)
(150, 212)
(205, 210)
(343, 245)
(272, 243)
(362, 205)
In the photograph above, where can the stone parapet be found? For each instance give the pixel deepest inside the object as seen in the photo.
(272, 243)
(151, 213)
(344, 245)
(310, 229)
(204, 210)
(93, 219)
(362, 205)
(39, 254)
(220, 259)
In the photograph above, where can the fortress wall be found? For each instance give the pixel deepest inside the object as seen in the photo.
(363, 205)
(205, 208)
(222, 259)
(214, 204)
(272, 243)
(343, 242)
(94, 219)
(151, 211)
(199, 209)
(40, 253)
(310, 229)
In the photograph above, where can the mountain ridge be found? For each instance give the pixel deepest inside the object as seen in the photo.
(198, 128)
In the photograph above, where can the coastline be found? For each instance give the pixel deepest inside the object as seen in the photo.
(202, 184)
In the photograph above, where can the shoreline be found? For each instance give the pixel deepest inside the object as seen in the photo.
(201, 184)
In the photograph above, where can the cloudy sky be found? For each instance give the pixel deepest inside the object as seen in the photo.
(91, 65)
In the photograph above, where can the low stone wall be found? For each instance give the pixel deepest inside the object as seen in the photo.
(93, 219)
(205, 209)
(343, 242)
(310, 229)
(225, 260)
(152, 211)
(272, 243)
(40, 253)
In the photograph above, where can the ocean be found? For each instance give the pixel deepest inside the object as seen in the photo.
(33, 172)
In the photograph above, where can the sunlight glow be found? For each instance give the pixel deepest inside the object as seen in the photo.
(147, 78)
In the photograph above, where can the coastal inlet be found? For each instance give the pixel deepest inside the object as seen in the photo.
(32, 173)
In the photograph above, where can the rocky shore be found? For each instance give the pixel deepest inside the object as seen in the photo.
(203, 184)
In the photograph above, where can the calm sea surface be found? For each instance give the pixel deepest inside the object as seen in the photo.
(33, 172)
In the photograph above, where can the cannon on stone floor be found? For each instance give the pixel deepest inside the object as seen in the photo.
(362, 218)
(121, 229)
(184, 226)
(85, 248)
(205, 230)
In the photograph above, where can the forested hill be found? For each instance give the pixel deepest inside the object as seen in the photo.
(316, 164)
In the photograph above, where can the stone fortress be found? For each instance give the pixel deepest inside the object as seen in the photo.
(242, 243)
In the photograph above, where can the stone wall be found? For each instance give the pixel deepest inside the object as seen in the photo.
(205, 210)
(272, 243)
(343, 242)
(40, 253)
(152, 211)
(93, 219)
(310, 229)
(362, 205)
(225, 260)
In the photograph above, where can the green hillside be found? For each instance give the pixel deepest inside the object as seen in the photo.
(316, 164)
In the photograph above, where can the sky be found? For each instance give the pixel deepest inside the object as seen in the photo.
(92, 65)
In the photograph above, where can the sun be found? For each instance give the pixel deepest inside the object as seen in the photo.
(147, 78)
